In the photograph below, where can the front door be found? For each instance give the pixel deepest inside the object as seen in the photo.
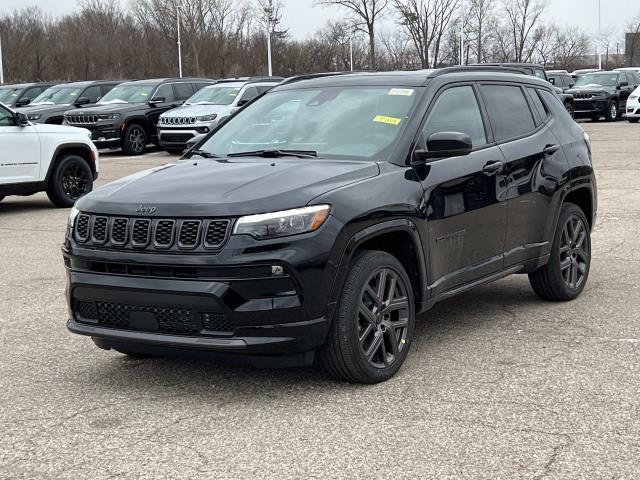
(466, 209)
(19, 151)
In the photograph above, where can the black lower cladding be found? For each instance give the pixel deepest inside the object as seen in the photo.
(160, 319)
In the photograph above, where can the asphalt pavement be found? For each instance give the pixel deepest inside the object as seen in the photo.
(498, 384)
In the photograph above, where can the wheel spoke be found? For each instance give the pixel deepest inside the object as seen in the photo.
(390, 333)
(582, 255)
(382, 283)
(397, 304)
(366, 332)
(373, 296)
(565, 264)
(576, 231)
(374, 347)
(366, 313)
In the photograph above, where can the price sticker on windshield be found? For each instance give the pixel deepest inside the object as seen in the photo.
(401, 92)
(387, 120)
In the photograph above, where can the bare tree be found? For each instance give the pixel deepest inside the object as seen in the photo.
(546, 43)
(573, 45)
(366, 12)
(481, 17)
(522, 17)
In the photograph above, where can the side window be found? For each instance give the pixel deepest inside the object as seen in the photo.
(538, 106)
(92, 93)
(183, 90)
(6, 118)
(199, 86)
(623, 78)
(264, 88)
(554, 104)
(104, 89)
(249, 94)
(508, 111)
(32, 93)
(457, 110)
(538, 72)
(165, 91)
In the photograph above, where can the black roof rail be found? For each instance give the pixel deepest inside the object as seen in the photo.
(475, 68)
(310, 76)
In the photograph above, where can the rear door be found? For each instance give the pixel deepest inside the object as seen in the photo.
(625, 90)
(466, 208)
(535, 163)
(19, 151)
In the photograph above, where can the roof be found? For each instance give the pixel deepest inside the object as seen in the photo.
(155, 81)
(416, 78)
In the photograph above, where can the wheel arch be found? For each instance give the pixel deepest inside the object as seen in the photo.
(80, 149)
(582, 196)
(399, 238)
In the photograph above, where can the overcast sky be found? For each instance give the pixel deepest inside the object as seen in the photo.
(303, 19)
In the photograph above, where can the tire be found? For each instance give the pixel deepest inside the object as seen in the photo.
(135, 140)
(174, 151)
(633, 120)
(611, 115)
(71, 179)
(356, 329)
(570, 110)
(570, 255)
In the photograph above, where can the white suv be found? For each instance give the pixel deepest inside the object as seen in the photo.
(633, 106)
(33, 158)
(206, 108)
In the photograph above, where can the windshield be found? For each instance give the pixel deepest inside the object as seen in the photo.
(336, 122)
(128, 94)
(215, 96)
(603, 79)
(7, 95)
(58, 96)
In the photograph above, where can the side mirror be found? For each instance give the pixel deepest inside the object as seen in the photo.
(23, 102)
(157, 100)
(83, 101)
(445, 144)
(22, 120)
(552, 81)
(624, 84)
(192, 142)
(242, 102)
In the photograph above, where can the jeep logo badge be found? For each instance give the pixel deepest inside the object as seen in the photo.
(143, 209)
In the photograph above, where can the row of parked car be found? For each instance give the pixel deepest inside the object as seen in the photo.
(132, 114)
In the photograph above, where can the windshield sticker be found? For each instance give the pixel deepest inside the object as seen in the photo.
(73, 94)
(144, 94)
(402, 92)
(387, 120)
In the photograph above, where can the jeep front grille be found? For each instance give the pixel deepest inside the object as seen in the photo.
(177, 120)
(84, 119)
(147, 234)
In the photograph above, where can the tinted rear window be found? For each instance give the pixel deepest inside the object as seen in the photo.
(508, 111)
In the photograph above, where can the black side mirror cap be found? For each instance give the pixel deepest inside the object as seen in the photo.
(22, 119)
(83, 101)
(446, 144)
(23, 102)
(242, 102)
(158, 100)
(624, 84)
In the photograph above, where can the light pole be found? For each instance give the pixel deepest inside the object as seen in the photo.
(461, 33)
(269, 20)
(351, 49)
(178, 8)
(599, 35)
(1, 70)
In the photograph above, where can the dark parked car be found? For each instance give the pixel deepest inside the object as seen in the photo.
(21, 94)
(50, 105)
(563, 81)
(539, 71)
(601, 94)
(320, 219)
(127, 117)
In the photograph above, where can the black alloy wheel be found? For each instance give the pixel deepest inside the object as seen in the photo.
(611, 115)
(383, 318)
(135, 140)
(71, 179)
(565, 274)
(574, 252)
(371, 334)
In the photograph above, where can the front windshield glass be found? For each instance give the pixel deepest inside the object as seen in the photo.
(128, 94)
(603, 79)
(336, 122)
(58, 96)
(215, 96)
(7, 95)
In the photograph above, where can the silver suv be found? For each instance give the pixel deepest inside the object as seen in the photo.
(202, 112)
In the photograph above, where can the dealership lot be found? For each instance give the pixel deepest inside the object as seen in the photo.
(498, 383)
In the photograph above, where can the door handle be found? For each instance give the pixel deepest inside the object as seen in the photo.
(491, 168)
(551, 149)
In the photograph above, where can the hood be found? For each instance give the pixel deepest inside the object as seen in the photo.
(46, 128)
(44, 108)
(591, 88)
(109, 108)
(197, 110)
(226, 187)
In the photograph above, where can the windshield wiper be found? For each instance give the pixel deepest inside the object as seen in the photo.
(275, 153)
(202, 153)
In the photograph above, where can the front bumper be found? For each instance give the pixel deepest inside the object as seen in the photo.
(104, 135)
(587, 108)
(176, 137)
(633, 109)
(230, 302)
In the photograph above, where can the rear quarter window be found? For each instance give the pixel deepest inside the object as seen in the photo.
(508, 111)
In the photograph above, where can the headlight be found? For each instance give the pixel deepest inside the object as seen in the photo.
(282, 224)
(34, 116)
(73, 213)
(207, 118)
(109, 116)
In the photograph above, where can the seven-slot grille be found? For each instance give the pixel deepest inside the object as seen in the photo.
(150, 233)
(584, 96)
(84, 119)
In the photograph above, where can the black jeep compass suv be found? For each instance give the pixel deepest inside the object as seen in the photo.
(319, 220)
